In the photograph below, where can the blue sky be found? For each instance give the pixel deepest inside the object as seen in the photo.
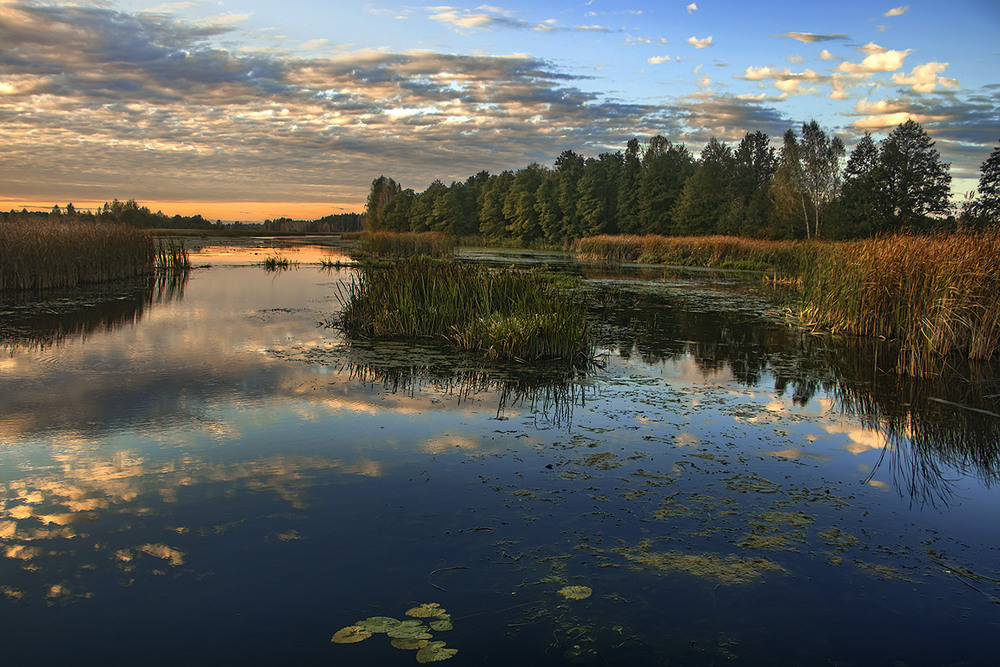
(253, 109)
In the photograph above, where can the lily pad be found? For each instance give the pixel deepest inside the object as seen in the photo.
(352, 634)
(576, 592)
(426, 610)
(435, 652)
(378, 624)
(441, 625)
(408, 644)
(410, 630)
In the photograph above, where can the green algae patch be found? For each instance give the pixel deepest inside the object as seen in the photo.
(602, 461)
(795, 519)
(576, 592)
(352, 634)
(730, 569)
(883, 571)
(751, 484)
(835, 537)
(435, 652)
(426, 610)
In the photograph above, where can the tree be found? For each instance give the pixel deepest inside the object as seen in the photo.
(820, 156)
(984, 209)
(628, 189)
(492, 222)
(383, 189)
(917, 182)
(598, 194)
(863, 197)
(519, 206)
(754, 164)
(704, 198)
(665, 168)
(787, 191)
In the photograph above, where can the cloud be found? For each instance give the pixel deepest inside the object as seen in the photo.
(924, 78)
(879, 60)
(826, 55)
(692, 8)
(809, 38)
(657, 60)
(487, 17)
(700, 43)
(897, 11)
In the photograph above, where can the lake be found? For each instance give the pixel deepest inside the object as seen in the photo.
(206, 472)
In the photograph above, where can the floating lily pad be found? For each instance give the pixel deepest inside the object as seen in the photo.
(426, 610)
(378, 624)
(352, 634)
(441, 625)
(576, 592)
(435, 652)
(408, 644)
(410, 630)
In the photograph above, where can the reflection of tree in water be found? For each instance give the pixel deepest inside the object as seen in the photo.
(549, 391)
(934, 428)
(42, 319)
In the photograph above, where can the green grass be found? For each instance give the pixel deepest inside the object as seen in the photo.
(39, 254)
(506, 315)
(406, 244)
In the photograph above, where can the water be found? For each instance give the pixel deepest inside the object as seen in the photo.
(207, 472)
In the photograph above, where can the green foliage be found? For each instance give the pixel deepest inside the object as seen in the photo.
(984, 209)
(406, 244)
(507, 315)
(917, 183)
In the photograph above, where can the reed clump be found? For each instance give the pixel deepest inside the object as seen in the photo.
(406, 244)
(935, 295)
(505, 314)
(723, 252)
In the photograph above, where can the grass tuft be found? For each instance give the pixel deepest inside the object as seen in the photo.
(506, 314)
(406, 244)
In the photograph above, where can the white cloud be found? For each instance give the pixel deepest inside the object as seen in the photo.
(924, 78)
(826, 55)
(897, 11)
(656, 60)
(795, 59)
(692, 8)
(809, 38)
(880, 60)
(700, 43)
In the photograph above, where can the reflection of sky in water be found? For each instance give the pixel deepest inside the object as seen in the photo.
(217, 471)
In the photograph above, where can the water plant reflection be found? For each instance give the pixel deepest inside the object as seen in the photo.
(32, 320)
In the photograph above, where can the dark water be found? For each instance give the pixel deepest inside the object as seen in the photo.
(206, 473)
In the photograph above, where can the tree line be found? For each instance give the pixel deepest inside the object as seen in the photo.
(804, 189)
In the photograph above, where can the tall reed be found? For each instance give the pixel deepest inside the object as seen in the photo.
(507, 314)
(36, 253)
(406, 244)
(935, 295)
(724, 252)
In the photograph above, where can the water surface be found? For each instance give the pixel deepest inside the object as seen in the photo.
(208, 471)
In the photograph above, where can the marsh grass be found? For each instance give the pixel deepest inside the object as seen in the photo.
(723, 252)
(936, 296)
(276, 262)
(505, 314)
(36, 253)
(406, 244)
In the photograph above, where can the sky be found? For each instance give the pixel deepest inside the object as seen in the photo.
(254, 109)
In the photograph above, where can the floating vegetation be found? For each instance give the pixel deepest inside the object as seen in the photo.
(508, 315)
(435, 652)
(276, 262)
(426, 610)
(352, 634)
(751, 483)
(730, 569)
(835, 537)
(408, 635)
(576, 592)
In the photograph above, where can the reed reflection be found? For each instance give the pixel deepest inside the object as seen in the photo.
(32, 320)
(548, 392)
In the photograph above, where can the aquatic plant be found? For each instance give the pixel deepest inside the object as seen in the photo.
(723, 252)
(576, 592)
(408, 635)
(38, 254)
(934, 295)
(172, 257)
(505, 314)
(276, 262)
(406, 244)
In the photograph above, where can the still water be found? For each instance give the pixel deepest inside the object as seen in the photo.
(208, 472)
